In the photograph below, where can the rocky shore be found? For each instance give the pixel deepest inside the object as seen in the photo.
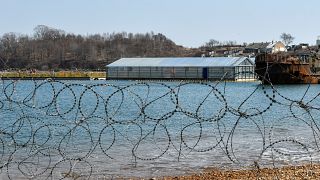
(288, 172)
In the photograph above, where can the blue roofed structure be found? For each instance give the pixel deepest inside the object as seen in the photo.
(208, 68)
(179, 62)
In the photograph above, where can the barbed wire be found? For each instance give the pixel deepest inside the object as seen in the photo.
(79, 129)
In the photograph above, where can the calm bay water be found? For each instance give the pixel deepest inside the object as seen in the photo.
(146, 129)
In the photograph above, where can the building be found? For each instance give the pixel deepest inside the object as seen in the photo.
(256, 47)
(267, 47)
(275, 47)
(318, 41)
(204, 68)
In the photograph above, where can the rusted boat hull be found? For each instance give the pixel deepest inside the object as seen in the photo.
(283, 69)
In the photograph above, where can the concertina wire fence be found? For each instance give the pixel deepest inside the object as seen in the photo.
(52, 129)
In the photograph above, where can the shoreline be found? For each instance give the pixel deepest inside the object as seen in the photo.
(308, 171)
(59, 75)
(44, 78)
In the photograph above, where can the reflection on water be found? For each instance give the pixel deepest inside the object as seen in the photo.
(144, 129)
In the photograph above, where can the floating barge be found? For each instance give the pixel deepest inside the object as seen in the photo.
(284, 68)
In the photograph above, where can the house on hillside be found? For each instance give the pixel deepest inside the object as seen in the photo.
(265, 47)
(202, 68)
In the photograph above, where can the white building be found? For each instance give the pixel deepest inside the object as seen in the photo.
(205, 68)
(275, 47)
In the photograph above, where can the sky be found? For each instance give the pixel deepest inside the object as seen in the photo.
(190, 23)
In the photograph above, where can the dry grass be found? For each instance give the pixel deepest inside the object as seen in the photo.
(48, 74)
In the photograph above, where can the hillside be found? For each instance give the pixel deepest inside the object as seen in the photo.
(53, 49)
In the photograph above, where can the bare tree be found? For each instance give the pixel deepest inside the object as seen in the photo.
(212, 43)
(47, 33)
(9, 46)
(287, 38)
(230, 43)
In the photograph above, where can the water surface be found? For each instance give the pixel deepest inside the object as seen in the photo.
(145, 129)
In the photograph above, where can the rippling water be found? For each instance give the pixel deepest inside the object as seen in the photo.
(144, 129)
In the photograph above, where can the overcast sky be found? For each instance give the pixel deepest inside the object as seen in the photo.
(187, 22)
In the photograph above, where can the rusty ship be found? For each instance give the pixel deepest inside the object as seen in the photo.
(284, 68)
